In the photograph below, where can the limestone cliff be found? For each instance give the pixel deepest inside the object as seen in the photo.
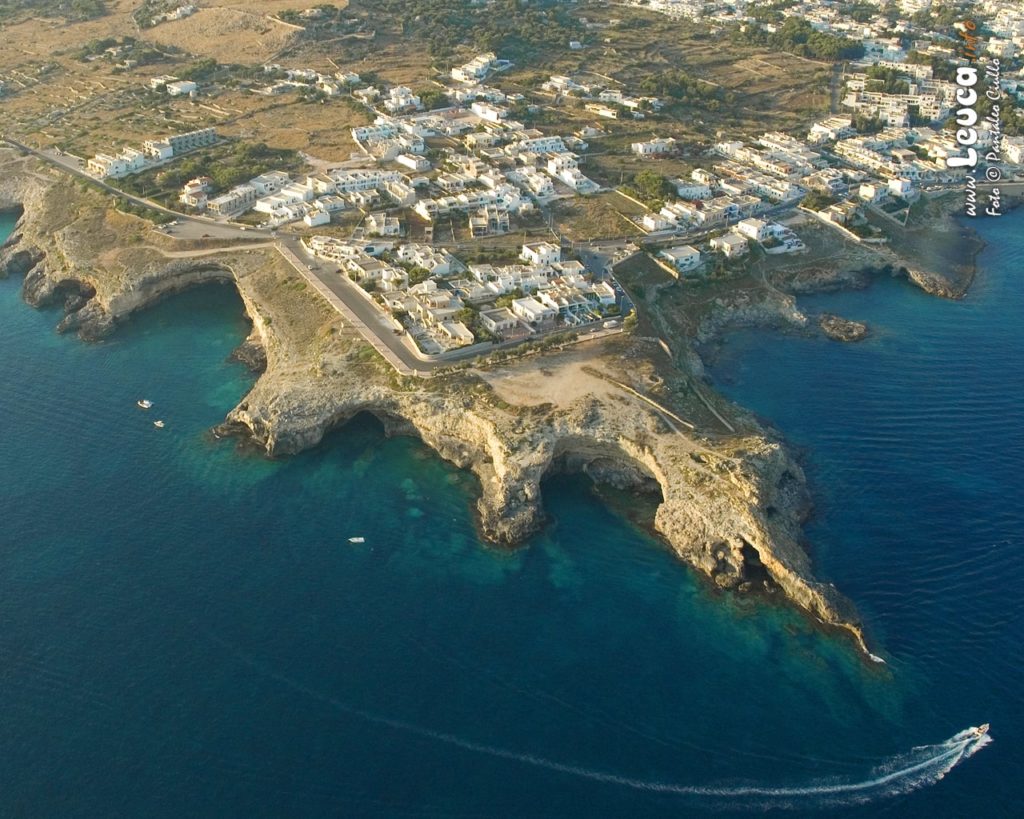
(732, 502)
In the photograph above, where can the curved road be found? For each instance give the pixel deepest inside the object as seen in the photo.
(340, 293)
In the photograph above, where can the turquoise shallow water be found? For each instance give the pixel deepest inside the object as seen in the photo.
(186, 630)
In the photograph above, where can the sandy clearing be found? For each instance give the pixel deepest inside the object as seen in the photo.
(553, 379)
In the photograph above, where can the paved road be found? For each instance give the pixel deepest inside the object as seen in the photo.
(340, 293)
(356, 309)
(349, 300)
(188, 227)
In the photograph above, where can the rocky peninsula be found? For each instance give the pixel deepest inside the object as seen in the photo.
(732, 500)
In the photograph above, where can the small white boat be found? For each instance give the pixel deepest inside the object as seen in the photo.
(158, 424)
(144, 403)
(357, 540)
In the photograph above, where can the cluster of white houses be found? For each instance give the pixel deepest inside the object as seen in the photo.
(779, 169)
(153, 152)
(291, 79)
(878, 34)
(444, 303)
(506, 171)
(933, 100)
(312, 199)
(605, 102)
(509, 167)
(735, 243)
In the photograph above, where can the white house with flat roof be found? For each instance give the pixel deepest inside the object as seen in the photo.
(270, 182)
(382, 224)
(756, 229)
(731, 245)
(533, 311)
(498, 320)
(683, 258)
(457, 333)
(413, 162)
(316, 217)
(181, 88)
(541, 253)
(476, 69)
(654, 147)
(691, 190)
(236, 200)
(901, 187)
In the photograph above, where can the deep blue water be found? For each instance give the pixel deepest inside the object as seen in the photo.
(185, 630)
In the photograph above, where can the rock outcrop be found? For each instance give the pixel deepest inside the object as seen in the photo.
(841, 329)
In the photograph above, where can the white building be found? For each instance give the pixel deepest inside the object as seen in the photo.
(476, 69)
(181, 88)
(413, 162)
(437, 260)
(872, 192)
(654, 147)
(401, 98)
(270, 182)
(732, 245)
(159, 83)
(901, 187)
(316, 217)
(531, 310)
(106, 166)
(179, 143)
(194, 192)
(541, 253)
(691, 190)
(489, 112)
(683, 258)
(756, 229)
(653, 222)
(498, 320)
(831, 129)
(382, 224)
(237, 200)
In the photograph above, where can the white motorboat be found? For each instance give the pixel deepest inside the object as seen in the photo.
(357, 540)
(144, 404)
(158, 424)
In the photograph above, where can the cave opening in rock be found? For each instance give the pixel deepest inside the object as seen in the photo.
(754, 570)
(625, 485)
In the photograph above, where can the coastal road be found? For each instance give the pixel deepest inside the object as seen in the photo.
(357, 310)
(368, 319)
(188, 227)
(341, 294)
(344, 296)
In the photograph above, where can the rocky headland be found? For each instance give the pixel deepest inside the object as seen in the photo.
(732, 500)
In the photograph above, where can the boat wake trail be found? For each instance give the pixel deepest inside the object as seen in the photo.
(900, 774)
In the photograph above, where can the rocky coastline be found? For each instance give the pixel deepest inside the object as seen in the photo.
(732, 499)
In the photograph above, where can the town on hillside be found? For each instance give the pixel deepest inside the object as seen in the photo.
(470, 200)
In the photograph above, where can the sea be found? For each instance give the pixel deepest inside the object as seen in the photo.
(186, 630)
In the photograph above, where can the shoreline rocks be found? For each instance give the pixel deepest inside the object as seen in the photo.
(733, 505)
(841, 329)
